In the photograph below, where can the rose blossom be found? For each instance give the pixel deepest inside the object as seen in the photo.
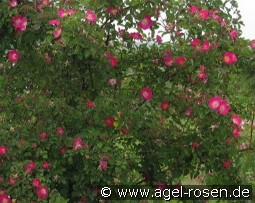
(77, 143)
(3, 150)
(90, 16)
(204, 14)
(112, 81)
(193, 9)
(42, 192)
(145, 23)
(146, 93)
(224, 107)
(36, 182)
(54, 22)
(236, 132)
(227, 164)
(19, 22)
(195, 42)
(90, 104)
(109, 121)
(214, 103)
(252, 44)
(13, 56)
(164, 105)
(236, 119)
(233, 34)
(103, 164)
(180, 60)
(229, 58)
(57, 32)
(135, 35)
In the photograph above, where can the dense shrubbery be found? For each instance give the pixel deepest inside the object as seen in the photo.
(86, 101)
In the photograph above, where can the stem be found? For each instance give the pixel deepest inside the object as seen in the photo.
(139, 106)
(252, 122)
(92, 82)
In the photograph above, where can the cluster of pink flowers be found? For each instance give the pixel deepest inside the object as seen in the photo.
(218, 104)
(205, 14)
(229, 58)
(135, 35)
(57, 32)
(42, 4)
(91, 16)
(204, 47)
(237, 121)
(168, 59)
(113, 61)
(145, 23)
(113, 10)
(19, 22)
(42, 192)
(63, 13)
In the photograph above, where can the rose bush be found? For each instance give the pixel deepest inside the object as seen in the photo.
(92, 95)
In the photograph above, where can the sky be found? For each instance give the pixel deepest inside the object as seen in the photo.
(247, 9)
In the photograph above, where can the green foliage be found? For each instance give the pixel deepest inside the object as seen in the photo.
(49, 86)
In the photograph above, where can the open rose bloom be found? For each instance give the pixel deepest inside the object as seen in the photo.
(236, 119)
(145, 23)
(229, 58)
(218, 104)
(19, 22)
(42, 192)
(214, 103)
(13, 56)
(146, 93)
(91, 16)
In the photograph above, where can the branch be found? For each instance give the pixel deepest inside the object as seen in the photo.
(252, 122)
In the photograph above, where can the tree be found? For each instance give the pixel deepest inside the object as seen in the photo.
(86, 101)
